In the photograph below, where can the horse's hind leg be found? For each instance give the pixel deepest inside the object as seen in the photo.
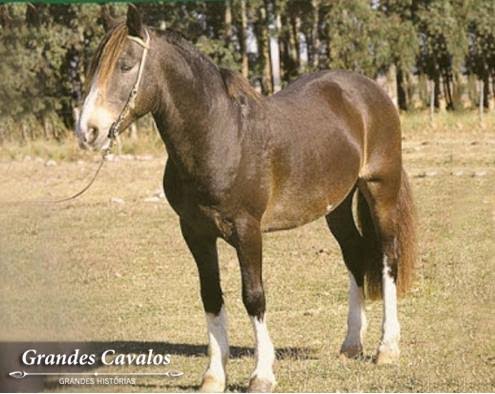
(204, 250)
(342, 226)
(382, 195)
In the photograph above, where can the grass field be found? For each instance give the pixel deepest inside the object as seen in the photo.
(110, 269)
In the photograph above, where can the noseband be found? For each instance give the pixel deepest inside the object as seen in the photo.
(131, 100)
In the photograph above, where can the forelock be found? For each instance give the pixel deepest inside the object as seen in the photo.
(106, 55)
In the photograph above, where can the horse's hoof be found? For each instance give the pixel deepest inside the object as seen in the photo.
(351, 352)
(386, 355)
(260, 385)
(212, 385)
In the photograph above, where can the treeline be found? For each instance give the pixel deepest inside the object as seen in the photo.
(426, 53)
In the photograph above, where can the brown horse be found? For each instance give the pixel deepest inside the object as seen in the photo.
(240, 164)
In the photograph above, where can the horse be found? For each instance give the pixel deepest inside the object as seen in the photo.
(241, 164)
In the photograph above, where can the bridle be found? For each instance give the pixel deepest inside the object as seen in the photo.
(115, 128)
(131, 100)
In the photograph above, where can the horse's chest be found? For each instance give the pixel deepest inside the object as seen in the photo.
(196, 206)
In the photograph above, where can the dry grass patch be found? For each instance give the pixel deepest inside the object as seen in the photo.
(95, 270)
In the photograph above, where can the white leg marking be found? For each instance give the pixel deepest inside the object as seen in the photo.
(218, 347)
(265, 352)
(390, 327)
(356, 320)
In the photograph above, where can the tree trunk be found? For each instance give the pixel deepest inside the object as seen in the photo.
(295, 23)
(315, 45)
(491, 98)
(227, 34)
(47, 129)
(481, 101)
(244, 38)
(486, 91)
(389, 83)
(433, 96)
(447, 88)
(24, 132)
(264, 51)
(441, 95)
(275, 48)
(287, 61)
(274, 27)
(401, 90)
(436, 90)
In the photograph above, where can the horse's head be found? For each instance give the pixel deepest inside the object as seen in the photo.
(118, 66)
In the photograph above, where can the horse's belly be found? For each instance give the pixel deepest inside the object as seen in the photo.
(277, 219)
(311, 176)
(292, 210)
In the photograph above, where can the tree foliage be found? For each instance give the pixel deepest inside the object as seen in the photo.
(45, 49)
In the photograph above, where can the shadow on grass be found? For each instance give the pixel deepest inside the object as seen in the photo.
(11, 353)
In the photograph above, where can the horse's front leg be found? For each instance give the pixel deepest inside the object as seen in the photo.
(204, 250)
(248, 245)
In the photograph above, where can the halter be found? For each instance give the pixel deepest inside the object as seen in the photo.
(115, 127)
(131, 100)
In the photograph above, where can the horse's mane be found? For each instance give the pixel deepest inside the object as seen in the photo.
(237, 86)
(111, 46)
(178, 40)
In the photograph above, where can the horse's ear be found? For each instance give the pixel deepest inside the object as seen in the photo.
(107, 19)
(134, 22)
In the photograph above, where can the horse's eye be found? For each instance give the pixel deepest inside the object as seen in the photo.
(125, 67)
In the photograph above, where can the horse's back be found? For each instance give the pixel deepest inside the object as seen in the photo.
(357, 90)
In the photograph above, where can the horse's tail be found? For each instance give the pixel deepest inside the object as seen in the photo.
(406, 243)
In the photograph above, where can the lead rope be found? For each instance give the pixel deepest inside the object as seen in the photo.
(115, 127)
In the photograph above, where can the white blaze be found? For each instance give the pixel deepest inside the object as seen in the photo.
(94, 115)
(87, 110)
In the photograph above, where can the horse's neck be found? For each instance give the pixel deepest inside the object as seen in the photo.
(196, 118)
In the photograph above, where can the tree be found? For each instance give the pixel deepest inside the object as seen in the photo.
(357, 35)
(45, 49)
(480, 58)
(403, 42)
(443, 45)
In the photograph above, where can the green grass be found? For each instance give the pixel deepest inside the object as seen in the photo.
(92, 270)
